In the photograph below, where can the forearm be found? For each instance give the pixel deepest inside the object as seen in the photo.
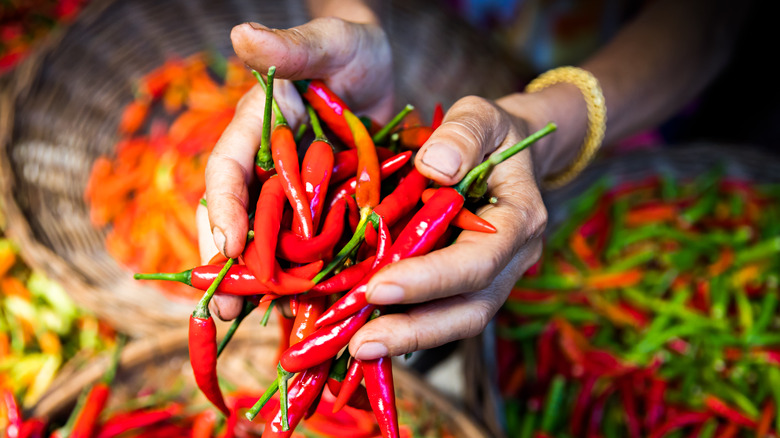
(650, 70)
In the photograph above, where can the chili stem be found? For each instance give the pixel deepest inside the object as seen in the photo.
(283, 376)
(202, 309)
(255, 409)
(110, 374)
(354, 242)
(382, 134)
(264, 159)
(319, 134)
(299, 134)
(269, 91)
(267, 314)
(463, 186)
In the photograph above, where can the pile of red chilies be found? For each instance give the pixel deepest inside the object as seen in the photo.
(290, 253)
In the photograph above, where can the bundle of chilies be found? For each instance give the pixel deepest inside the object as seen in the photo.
(302, 249)
(105, 411)
(653, 313)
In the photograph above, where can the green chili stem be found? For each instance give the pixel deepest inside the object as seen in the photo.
(299, 134)
(316, 126)
(249, 306)
(382, 134)
(463, 186)
(255, 409)
(181, 277)
(202, 309)
(110, 374)
(553, 404)
(338, 371)
(267, 314)
(354, 242)
(283, 376)
(269, 91)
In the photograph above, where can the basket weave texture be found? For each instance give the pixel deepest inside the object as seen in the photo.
(60, 112)
(247, 363)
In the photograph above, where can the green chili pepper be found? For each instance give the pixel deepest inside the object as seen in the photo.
(553, 404)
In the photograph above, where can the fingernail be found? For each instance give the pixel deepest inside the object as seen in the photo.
(257, 26)
(371, 351)
(219, 239)
(386, 294)
(443, 159)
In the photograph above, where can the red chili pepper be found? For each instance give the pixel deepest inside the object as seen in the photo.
(202, 342)
(309, 309)
(368, 172)
(388, 167)
(13, 414)
(765, 422)
(119, 424)
(294, 248)
(345, 163)
(629, 407)
(268, 219)
(329, 107)
(581, 404)
(285, 332)
(315, 174)
(655, 403)
(96, 399)
(304, 392)
(438, 116)
(203, 424)
(418, 237)
(353, 213)
(720, 408)
(281, 283)
(344, 280)
(285, 153)
(465, 219)
(324, 343)
(403, 199)
(32, 428)
(349, 385)
(678, 421)
(384, 241)
(378, 374)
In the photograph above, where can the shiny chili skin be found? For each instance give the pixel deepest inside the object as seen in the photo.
(378, 374)
(13, 413)
(418, 237)
(465, 219)
(403, 199)
(294, 248)
(344, 280)
(368, 171)
(135, 420)
(268, 220)
(329, 107)
(32, 428)
(438, 116)
(285, 332)
(387, 168)
(324, 343)
(281, 283)
(203, 357)
(345, 163)
(305, 390)
(93, 406)
(285, 153)
(384, 242)
(349, 385)
(309, 309)
(315, 175)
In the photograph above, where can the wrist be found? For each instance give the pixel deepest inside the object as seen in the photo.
(561, 104)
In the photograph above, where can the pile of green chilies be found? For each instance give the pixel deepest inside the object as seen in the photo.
(300, 249)
(652, 313)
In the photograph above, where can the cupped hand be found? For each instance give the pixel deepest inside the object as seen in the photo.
(455, 291)
(353, 59)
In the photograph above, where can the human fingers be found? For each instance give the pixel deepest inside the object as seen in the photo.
(473, 261)
(225, 307)
(354, 59)
(441, 321)
(472, 128)
(230, 166)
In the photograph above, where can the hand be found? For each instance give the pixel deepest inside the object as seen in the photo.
(459, 288)
(353, 59)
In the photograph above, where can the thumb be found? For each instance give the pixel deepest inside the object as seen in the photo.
(472, 128)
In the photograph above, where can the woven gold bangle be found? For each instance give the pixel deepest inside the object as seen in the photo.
(597, 116)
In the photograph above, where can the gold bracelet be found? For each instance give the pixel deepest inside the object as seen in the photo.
(597, 116)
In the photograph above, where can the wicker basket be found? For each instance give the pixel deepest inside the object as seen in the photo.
(60, 112)
(483, 398)
(154, 363)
